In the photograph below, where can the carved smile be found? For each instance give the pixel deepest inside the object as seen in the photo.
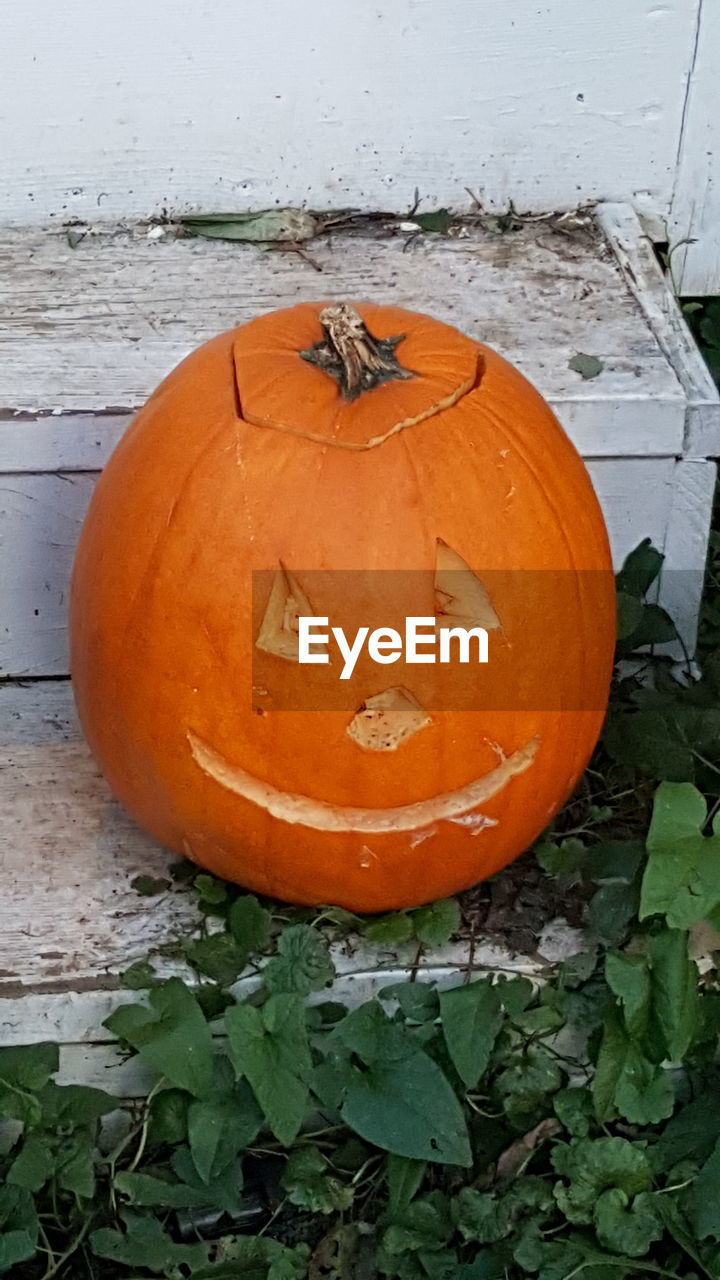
(320, 816)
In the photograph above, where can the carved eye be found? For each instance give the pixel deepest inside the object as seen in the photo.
(386, 720)
(460, 597)
(279, 628)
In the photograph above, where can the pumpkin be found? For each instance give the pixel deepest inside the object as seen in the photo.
(328, 461)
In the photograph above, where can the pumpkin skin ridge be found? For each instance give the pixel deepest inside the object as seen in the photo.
(320, 868)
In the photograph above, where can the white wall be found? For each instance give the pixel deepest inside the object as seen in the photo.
(118, 108)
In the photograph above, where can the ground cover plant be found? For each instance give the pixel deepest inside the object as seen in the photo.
(499, 1130)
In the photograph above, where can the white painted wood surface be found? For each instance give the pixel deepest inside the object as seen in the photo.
(695, 213)
(70, 920)
(118, 110)
(89, 332)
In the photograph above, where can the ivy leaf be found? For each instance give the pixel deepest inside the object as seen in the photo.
(526, 1085)
(210, 891)
(407, 1106)
(471, 1019)
(249, 923)
(626, 1227)
(269, 1047)
(479, 1216)
(594, 1165)
(302, 964)
(425, 1225)
(310, 1185)
(574, 1109)
(435, 924)
(171, 1036)
(682, 876)
(218, 957)
(437, 220)
(705, 1198)
(404, 1179)
(674, 991)
(144, 1244)
(390, 930)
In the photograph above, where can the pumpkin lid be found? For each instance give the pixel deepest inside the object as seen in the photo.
(349, 376)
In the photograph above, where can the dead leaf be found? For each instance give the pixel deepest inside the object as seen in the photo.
(587, 366)
(513, 1159)
(270, 226)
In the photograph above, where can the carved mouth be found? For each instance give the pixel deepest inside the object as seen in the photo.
(320, 816)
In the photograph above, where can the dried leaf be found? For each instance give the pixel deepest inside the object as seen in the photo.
(514, 1158)
(587, 366)
(270, 226)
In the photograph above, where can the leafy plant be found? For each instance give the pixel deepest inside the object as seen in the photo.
(496, 1130)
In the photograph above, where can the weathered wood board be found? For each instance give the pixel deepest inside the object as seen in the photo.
(89, 332)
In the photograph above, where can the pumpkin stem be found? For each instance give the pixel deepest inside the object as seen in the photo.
(357, 360)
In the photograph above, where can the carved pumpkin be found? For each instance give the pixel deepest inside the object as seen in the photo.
(323, 445)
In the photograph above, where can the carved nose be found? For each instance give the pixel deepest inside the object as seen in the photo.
(386, 720)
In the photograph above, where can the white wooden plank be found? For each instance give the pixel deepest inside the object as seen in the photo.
(637, 259)
(41, 516)
(71, 442)
(93, 330)
(546, 105)
(686, 544)
(695, 212)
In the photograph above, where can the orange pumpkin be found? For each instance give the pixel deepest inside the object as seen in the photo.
(323, 445)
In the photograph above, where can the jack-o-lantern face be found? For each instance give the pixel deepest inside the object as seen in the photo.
(327, 458)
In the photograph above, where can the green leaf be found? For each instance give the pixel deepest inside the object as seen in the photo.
(628, 977)
(391, 930)
(594, 1165)
(146, 1191)
(310, 1185)
(418, 1001)
(171, 1036)
(149, 886)
(368, 1032)
(611, 910)
(407, 1107)
(404, 1179)
(144, 1244)
(439, 221)
(265, 227)
(625, 1227)
(526, 1086)
(587, 366)
(18, 1227)
(169, 1116)
(690, 1134)
(471, 1019)
(258, 1258)
(640, 569)
(218, 957)
(209, 890)
(568, 858)
(574, 1109)
(75, 1166)
(269, 1047)
(705, 1199)
(249, 923)
(479, 1216)
(28, 1067)
(682, 877)
(629, 614)
(425, 1225)
(139, 976)
(74, 1105)
(435, 924)
(33, 1166)
(222, 1124)
(675, 1004)
(626, 1082)
(302, 964)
